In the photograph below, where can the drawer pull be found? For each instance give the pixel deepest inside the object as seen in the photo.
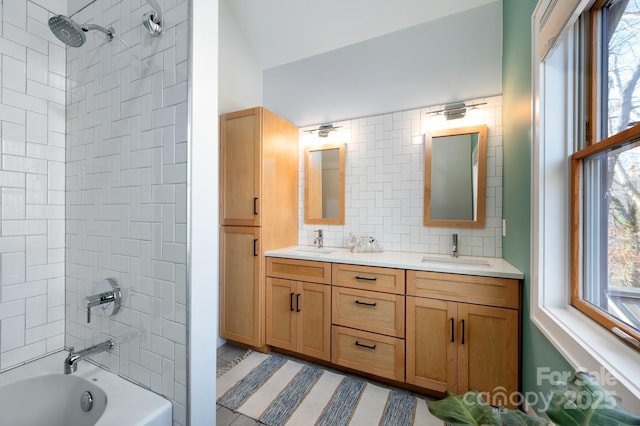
(366, 304)
(362, 345)
(358, 277)
(291, 302)
(452, 330)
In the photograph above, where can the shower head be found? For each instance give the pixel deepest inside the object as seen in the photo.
(72, 34)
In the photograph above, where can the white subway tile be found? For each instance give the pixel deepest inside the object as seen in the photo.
(23, 101)
(12, 179)
(174, 331)
(12, 333)
(15, 12)
(14, 74)
(25, 165)
(11, 309)
(43, 272)
(16, 292)
(55, 237)
(13, 49)
(13, 203)
(55, 292)
(24, 353)
(36, 129)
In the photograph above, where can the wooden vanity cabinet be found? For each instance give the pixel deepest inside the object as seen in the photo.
(463, 332)
(298, 311)
(368, 319)
(241, 295)
(258, 212)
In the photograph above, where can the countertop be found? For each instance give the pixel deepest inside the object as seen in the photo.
(467, 265)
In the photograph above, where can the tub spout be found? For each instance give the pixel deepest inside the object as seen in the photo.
(71, 363)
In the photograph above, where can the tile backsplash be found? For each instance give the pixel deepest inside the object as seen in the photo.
(384, 182)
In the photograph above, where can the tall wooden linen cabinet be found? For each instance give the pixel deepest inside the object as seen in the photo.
(258, 212)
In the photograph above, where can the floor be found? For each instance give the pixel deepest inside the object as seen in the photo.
(227, 353)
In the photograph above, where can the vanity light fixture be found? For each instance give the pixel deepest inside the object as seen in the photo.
(323, 130)
(455, 110)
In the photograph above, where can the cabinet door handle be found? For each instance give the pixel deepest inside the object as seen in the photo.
(255, 205)
(366, 304)
(453, 337)
(358, 277)
(291, 302)
(463, 332)
(298, 302)
(362, 345)
(255, 247)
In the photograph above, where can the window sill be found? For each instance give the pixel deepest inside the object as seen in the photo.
(589, 347)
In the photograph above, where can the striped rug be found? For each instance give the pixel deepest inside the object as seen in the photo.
(278, 391)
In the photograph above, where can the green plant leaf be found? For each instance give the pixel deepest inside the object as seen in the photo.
(583, 402)
(517, 417)
(467, 409)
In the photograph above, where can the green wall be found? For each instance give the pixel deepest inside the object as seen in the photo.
(537, 352)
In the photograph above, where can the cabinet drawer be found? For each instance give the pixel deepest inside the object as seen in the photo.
(369, 278)
(368, 352)
(368, 310)
(299, 270)
(490, 291)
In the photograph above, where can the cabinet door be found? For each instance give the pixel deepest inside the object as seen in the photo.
(431, 343)
(241, 292)
(314, 320)
(240, 168)
(488, 355)
(281, 313)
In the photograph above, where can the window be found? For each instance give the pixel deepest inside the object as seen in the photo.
(606, 176)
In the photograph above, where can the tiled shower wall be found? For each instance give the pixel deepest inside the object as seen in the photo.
(126, 192)
(32, 185)
(384, 182)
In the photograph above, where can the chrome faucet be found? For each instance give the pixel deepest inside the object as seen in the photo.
(317, 241)
(454, 245)
(113, 295)
(71, 363)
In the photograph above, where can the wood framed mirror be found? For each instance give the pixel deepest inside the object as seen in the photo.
(324, 184)
(455, 177)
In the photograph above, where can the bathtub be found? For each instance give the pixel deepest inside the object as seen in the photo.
(38, 393)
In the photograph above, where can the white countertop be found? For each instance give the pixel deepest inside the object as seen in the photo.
(467, 265)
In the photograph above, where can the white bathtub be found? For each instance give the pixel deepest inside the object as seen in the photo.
(38, 393)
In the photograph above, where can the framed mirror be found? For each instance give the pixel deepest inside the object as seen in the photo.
(324, 184)
(455, 177)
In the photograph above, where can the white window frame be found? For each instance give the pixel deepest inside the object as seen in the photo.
(585, 345)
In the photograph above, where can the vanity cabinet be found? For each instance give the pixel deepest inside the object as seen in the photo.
(368, 316)
(258, 212)
(298, 310)
(241, 297)
(463, 332)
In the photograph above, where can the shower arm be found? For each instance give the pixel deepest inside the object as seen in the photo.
(88, 27)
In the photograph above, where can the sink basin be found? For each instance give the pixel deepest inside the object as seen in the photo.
(314, 250)
(455, 261)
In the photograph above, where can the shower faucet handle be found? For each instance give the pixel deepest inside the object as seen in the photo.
(109, 298)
